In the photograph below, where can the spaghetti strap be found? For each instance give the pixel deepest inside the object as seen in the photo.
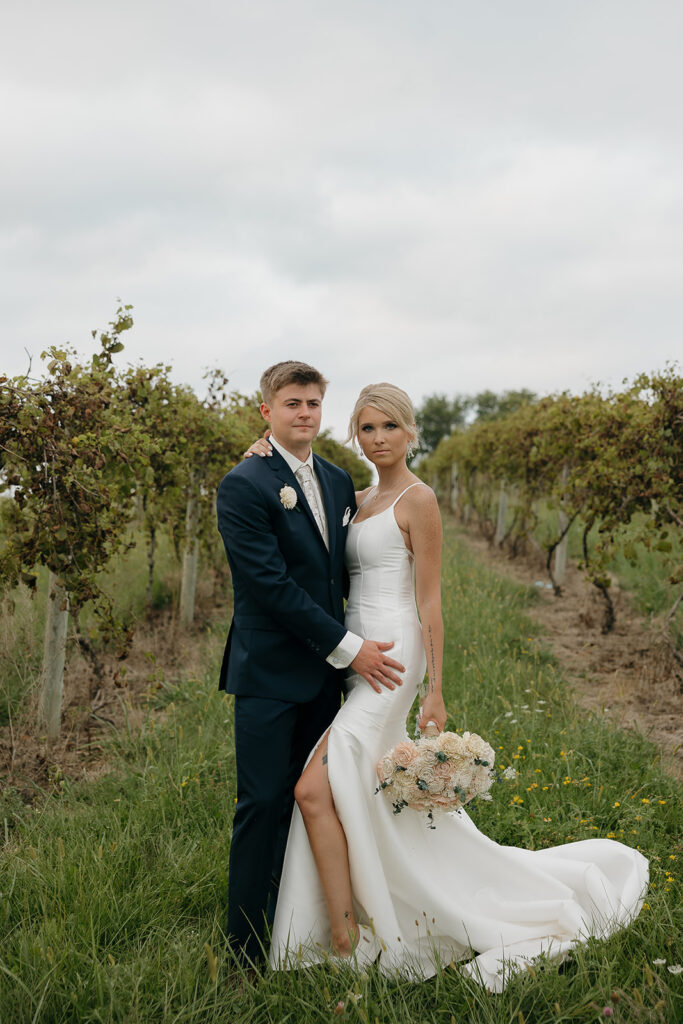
(385, 510)
(417, 482)
(366, 499)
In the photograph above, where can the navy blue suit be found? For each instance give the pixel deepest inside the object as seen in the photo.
(288, 616)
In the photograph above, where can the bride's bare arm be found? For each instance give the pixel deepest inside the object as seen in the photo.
(424, 528)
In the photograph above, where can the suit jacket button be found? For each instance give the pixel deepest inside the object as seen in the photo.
(332, 581)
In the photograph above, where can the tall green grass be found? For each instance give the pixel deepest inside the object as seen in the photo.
(113, 892)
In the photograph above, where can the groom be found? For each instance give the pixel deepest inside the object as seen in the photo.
(283, 521)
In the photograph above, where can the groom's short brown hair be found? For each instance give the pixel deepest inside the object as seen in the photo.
(290, 372)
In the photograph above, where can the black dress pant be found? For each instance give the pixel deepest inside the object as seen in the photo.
(272, 741)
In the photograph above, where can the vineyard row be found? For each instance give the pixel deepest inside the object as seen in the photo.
(613, 465)
(91, 448)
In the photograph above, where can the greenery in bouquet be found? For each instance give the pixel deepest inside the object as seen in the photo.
(438, 773)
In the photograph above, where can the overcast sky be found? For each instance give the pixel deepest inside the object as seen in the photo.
(447, 195)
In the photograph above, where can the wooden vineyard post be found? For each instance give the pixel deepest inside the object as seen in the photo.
(454, 488)
(54, 654)
(467, 510)
(188, 584)
(561, 553)
(151, 549)
(502, 511)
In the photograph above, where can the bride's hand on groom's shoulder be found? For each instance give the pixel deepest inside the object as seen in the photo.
(377, 668)
(260, 447)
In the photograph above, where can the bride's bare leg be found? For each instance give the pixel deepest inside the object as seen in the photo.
(328, 843)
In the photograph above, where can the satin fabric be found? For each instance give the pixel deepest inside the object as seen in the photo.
(451, 893)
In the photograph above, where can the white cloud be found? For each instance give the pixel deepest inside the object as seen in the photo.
(451, 196)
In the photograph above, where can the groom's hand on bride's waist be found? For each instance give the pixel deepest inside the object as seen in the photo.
(374, 664)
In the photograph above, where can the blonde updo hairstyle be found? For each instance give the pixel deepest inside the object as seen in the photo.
(391, 401)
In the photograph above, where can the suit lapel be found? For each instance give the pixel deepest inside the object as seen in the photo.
(285, 476)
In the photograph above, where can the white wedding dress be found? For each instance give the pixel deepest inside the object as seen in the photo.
(451, 893)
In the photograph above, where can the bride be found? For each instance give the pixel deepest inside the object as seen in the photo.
(359, 881)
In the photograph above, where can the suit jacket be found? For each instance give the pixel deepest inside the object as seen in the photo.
(288, 588)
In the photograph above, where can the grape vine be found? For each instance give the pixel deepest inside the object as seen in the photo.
(606, 462)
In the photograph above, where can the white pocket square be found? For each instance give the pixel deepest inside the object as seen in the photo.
(347, 516)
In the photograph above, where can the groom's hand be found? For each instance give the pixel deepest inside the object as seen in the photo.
(373, 664)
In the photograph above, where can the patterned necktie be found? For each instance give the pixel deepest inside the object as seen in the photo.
(304, 475)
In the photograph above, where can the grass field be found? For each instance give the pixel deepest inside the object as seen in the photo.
(113, 891)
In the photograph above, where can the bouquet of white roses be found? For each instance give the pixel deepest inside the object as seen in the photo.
(441, 772)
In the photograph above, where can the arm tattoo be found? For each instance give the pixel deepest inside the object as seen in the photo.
(432, 674)
(324, 758)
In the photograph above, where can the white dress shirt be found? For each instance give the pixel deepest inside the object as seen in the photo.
(350, 644)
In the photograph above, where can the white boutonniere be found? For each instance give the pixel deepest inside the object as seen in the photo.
(288, 497)
(347, 516)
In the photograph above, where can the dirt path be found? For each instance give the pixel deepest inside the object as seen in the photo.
(627, 675)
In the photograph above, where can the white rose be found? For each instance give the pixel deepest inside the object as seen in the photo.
(288, 497)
